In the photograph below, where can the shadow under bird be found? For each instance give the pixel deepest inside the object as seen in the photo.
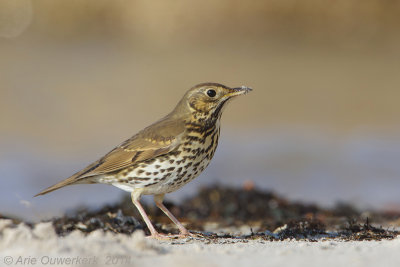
(166, 155)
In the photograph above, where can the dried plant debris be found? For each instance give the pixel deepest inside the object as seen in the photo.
(237, 206)
(358, 232)
(299, 230)
(105, 220)
(273, 217)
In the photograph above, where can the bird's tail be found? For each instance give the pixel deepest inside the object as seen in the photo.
(68, 181)
(77, 178)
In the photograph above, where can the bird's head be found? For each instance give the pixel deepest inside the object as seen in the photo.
(206, 100)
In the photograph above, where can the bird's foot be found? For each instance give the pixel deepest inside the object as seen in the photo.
(160, 236)
(185, 234)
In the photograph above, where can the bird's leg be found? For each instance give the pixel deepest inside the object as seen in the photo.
(159, 202)
(136, 201)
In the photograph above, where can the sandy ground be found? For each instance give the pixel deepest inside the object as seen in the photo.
(23, 246)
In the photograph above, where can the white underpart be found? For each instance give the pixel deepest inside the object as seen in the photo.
(124, 187)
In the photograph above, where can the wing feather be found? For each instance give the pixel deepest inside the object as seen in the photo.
(155, 140)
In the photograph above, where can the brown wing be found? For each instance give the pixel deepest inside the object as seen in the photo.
(155, 140)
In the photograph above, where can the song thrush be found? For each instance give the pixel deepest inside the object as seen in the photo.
(166, 155)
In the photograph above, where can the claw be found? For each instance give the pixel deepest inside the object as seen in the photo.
(160, 236)
(188, 234)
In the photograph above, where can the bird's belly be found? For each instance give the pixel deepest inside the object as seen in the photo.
(162, 177)
(165, 175)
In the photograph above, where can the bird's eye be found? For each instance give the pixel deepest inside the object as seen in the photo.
(211, 93)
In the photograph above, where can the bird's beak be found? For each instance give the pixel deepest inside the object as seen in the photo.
(239, 91)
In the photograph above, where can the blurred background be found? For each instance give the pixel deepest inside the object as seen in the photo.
(77, 77)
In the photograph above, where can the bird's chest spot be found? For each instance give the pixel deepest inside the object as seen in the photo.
(179, 167)
(198, 149)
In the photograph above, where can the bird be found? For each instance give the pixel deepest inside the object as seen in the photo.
(166, 155)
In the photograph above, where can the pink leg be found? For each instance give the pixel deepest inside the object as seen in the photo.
(153, 231)
(159, 202)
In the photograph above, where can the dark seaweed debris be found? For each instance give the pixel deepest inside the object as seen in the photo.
(275, 217)
(361, 232)
(306, 229)
(87, 222)
(235, 206)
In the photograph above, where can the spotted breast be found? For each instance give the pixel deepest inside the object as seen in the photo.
(169, 172)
